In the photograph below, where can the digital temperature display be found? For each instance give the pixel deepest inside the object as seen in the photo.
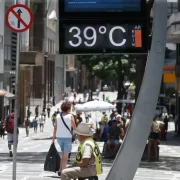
(102, 5)
(104, 38)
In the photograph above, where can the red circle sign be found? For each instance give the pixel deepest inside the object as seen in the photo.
(19, 18)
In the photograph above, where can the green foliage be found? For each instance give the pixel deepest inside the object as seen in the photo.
(110, 67)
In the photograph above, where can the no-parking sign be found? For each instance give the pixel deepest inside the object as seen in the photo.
(19, 18)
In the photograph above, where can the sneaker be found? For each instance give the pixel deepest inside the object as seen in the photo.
(10, 154)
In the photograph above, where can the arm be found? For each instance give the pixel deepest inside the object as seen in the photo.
(84, 162)
(86, 156)
(54, 133)
(122, 132)
(73, 124)
(25, 121)
(5, 121)
(108, 136)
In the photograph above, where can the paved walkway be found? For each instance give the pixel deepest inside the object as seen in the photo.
(32, 151)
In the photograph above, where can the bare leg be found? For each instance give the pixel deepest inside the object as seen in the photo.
(64, 161)
(156, 149)
(115, 149)
(61, 162)
(150, 142)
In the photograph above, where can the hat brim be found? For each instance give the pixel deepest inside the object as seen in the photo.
(80, 133)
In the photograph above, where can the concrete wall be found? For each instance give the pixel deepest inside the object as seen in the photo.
(53, 34)
(7, 54)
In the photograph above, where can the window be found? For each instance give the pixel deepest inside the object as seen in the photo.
(172, 8)
(7, 52)
(48, 45)
(51, 46)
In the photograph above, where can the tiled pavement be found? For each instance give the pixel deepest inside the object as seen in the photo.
(32, 152)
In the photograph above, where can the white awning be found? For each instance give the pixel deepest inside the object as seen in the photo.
(7, 94)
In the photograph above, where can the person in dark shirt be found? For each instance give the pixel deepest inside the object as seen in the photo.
(114, 136)
(37, 110)
(106, 131)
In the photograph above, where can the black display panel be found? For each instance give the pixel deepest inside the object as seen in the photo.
(102, 38)
(102, 5)
(102, 9)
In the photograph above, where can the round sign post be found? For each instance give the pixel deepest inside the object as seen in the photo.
(19, 18)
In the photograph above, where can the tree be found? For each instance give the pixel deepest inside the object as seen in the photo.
(119, 67)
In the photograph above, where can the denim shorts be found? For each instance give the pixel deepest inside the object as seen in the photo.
(65, 144)
(116, 142)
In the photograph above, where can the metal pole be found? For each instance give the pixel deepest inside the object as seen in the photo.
(177, 65)
(127, 162)
(16, 105)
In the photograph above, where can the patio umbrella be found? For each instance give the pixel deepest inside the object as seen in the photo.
(94, 106)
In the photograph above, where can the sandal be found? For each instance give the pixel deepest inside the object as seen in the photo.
(59, 173)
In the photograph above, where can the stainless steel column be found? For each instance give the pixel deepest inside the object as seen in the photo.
(130, 153)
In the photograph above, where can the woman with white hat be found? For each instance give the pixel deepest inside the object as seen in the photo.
(88, 159)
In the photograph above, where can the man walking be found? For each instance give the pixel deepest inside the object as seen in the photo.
(48, 111)
(37, 110)
(9, 127)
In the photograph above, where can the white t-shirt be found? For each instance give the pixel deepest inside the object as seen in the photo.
(41, 119)
(62, 131)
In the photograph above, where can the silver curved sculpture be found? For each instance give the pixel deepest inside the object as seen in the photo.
(130, 153)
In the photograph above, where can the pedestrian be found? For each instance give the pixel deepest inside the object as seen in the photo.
(48, 111)
(97, 92)
(28, 112)
(9, 127)
(63, 134)
(37, 110)
(103, 97)
(85, 96)
(44, 114)
(88, 160)
(35, 123)
(26, 125)
(58, 111)
(41, 122)
(2, 129)
(154, 139)
(176, 123)
(54, 116)
(75, 95)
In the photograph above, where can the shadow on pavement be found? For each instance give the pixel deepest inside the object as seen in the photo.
(27, 157)
(172, 139)
(39, 158)
(54, 177)
(165, 163)
(40, 139)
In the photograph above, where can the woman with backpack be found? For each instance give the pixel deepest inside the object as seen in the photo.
(9, 127)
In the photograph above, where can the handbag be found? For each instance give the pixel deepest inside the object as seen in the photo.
(52, 162)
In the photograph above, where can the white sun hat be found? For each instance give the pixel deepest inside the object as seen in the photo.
(84, 130)
(118, 116)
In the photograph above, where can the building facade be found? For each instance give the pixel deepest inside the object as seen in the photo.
(42, 75)
(41, 66)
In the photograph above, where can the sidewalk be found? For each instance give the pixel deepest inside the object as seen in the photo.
(168, 167)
